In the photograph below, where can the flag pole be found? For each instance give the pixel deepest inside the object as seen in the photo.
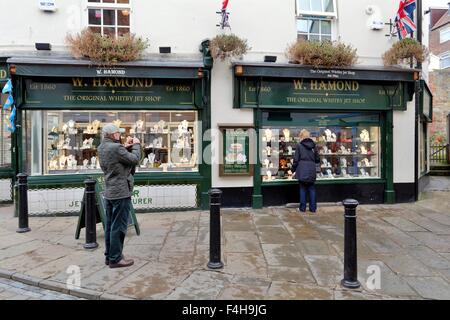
(417, 104)
(419, 27)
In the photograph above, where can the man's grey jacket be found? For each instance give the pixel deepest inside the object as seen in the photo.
(117, 164)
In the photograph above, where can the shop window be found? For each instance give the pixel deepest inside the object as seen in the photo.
(5, 140)
(348, 144)
(444, 35)
(109, 17)
(68, 142)
(445, 60)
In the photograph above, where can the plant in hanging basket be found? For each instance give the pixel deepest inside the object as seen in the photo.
(404, 51)
(322, 54)
(226, 46)
(106, 49)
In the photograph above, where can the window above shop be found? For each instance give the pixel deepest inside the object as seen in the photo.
(316, 8)
(314, 29)
(315, 19)
(109, 17)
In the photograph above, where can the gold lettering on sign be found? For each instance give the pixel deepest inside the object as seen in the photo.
(334, 85)
(298, 84)
(77, 82)
(2, 74)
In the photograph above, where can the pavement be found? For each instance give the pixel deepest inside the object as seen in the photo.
(272, 253)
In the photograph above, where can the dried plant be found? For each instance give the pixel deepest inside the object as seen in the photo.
(322, 54)
(106, 49)
(404, 51)
(225, 46)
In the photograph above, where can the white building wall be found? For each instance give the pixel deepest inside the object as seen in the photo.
(404, 144)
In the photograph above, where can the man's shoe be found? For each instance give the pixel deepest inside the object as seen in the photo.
(107, 261)
(302, 210)
(122, 263)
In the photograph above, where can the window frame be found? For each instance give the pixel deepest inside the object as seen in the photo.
(321, 14)
(445, 30)
(443, 56)
(320, 34)
(110, 6)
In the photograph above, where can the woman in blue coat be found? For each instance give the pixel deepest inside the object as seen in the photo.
(305, 160)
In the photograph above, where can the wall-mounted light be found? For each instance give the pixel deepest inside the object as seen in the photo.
(270, 58)
(125, 13)
(239, 70)
(165, 49)
(43, 46)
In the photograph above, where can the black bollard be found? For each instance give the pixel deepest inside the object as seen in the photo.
(350, 255)
(22, 189)
(90, 214)
(214, 229)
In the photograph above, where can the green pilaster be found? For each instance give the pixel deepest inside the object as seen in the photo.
(389, 193)
(257, 198)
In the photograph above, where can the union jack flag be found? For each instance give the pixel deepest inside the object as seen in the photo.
(404, 20)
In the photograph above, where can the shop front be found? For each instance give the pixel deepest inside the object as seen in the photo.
(349, 114)
(6, 141)
(63, 105)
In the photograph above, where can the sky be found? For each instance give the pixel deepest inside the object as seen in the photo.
(434, 3)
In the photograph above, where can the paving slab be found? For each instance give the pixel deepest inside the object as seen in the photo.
(250, 264)
(292, 291)
(282, 255)
(430, 287)
(274, 235)
(327, 270)
(406, 265)
(429, 257)
(241, 241)
(439, 243)
(403, 224)
(201, 285)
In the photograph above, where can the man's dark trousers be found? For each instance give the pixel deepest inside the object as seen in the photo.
(117, 212)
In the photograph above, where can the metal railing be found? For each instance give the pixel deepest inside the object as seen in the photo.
(439, 154)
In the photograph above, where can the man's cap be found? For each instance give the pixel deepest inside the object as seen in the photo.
(112, 128)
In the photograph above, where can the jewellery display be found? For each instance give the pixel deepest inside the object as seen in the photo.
(343, 152)
(167, 139)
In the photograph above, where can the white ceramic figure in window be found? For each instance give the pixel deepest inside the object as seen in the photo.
(144, 163)
(139, 127)
(62, 161)
(72, 129)
(329, 173)
(268, 135)
(151, 158)
(93, 162)
(161, 126)
(363, 172)
(324, 150)
(65, 128)
(289, 174)
(67, 144)
(290, 150)
(366, 162)
(364, 135)
(363, 150)
(53, 165)
(287, 134)
(343, 162)
(333, 137)
(344, 172)
(324, 163)
(95, 126)
(85, 163)
(269, 175)
(268, 150)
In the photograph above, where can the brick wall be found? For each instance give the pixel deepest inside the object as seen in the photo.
(436, 47)
(439, 86)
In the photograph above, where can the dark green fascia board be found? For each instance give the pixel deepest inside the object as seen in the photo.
(425, 89)
(50, 69)
(326, 182)
(302, 107)
(279, 70)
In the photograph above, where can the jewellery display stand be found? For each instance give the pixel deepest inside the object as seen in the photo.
(343, 152)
